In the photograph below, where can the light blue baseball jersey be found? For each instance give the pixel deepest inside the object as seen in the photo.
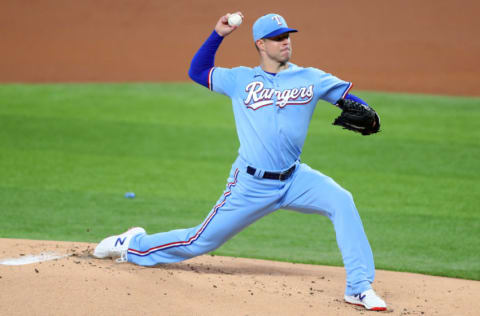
(273, 112)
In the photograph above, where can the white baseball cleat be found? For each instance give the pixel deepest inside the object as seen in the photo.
(116, 246)
(369, 299)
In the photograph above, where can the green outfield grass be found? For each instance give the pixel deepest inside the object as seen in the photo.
(69, 152)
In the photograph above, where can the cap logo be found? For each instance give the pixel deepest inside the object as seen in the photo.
(269, 25)
(277, 19)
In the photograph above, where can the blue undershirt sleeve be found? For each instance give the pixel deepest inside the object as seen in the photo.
(355, 98)
(204, 60)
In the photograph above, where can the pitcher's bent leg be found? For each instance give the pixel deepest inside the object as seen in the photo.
(313, 192)
(353, 244)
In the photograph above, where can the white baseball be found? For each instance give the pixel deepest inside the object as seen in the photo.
(234, 19)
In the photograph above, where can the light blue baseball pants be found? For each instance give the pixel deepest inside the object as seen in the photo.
(248, 198)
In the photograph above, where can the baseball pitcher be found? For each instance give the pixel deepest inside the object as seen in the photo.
(273, 104)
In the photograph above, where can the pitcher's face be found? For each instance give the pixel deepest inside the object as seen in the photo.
(278, 48)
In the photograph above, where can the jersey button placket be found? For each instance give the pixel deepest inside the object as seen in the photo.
(277, 88)
(277, 116)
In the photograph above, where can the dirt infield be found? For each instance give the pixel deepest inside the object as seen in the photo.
(207, 285)
(428, 46)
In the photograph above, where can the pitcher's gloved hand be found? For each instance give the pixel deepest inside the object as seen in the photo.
(357, 117)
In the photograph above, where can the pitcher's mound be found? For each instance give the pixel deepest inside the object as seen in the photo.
(62, 278)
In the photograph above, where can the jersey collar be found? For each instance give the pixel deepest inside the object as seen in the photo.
(260, 72)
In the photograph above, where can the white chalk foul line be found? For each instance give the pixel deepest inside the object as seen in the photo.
(28, 259)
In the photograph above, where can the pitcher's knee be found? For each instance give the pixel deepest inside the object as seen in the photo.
(344, 196)
(344, 202)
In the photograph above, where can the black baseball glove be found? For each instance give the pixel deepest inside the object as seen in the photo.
(357, 117)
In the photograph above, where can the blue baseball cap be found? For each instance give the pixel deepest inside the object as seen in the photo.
(270, 25)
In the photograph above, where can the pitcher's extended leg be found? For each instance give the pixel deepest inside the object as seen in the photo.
(233, 212)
